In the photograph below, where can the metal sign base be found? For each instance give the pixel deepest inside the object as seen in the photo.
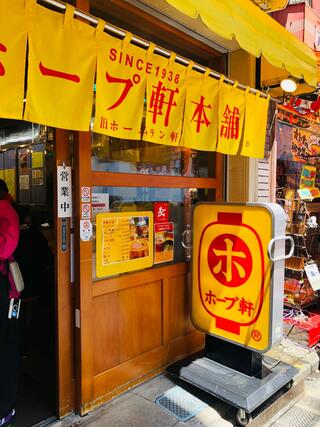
(246, 392)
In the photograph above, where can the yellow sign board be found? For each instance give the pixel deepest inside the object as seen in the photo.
(231, 292)
(124, 242)
(37, 159)
(10, 178)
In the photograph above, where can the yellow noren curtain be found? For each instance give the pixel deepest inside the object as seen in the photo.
(256, 32)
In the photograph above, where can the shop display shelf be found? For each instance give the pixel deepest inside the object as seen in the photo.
(298, 292)
(290, 278)
(300, 306)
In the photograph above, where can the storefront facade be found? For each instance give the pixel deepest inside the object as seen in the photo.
(133, 325)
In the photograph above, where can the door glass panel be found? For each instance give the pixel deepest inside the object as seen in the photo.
(135, 199)
(121, 155)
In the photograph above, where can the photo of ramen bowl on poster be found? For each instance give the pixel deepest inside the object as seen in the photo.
(139, 237)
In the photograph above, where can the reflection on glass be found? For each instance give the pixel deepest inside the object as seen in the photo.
(120, 155)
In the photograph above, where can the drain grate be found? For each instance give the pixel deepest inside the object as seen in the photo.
(180, 403)
(298, 417)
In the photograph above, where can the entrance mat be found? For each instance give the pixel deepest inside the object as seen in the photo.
(298, 417)
(180, 403)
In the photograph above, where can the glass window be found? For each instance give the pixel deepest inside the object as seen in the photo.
(135, 199)
(120, 155)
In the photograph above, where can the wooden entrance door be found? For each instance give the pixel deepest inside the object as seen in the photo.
(131, 326)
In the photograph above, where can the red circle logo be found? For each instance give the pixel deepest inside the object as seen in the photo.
(229, 260)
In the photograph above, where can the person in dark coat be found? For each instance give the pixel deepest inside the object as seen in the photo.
(9, 328)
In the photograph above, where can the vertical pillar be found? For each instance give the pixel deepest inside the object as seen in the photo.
(241, 171)
(83, 281)
(83, 272)
(64, 296)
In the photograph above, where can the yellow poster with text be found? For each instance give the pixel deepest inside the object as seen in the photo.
(230, 120)
(121, 84)
(13, 44)
(166, 92)
(10, 178)
(201, 112)
(124, 242)
(61, 69)
(37, 159)
(255, 126)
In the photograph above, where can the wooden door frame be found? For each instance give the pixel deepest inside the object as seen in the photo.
(64, 296)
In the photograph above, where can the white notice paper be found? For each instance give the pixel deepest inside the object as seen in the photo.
(312, 272)
(100, 203)
(85, 230)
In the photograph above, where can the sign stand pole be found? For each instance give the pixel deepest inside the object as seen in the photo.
(238, 358)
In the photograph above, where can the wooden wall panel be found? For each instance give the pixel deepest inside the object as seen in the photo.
(141, 329)
(126, 375)
(140, 320)
(180, 323)
(106, 332)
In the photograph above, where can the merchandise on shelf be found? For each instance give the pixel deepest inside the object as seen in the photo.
(304, 229)
(303, 328)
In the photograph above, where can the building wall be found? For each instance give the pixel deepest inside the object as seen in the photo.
(312, 22)
(316, 6)
(292, 18)
(301, 20)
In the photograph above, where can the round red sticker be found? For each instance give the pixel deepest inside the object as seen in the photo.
(229, 260)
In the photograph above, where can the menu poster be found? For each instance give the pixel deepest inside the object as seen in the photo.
(37, 176)
(164, 242)
(24, 182)
(124, 242)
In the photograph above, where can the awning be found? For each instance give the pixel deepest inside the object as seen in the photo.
(256, 32)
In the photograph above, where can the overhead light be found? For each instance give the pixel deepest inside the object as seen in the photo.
(288, 85)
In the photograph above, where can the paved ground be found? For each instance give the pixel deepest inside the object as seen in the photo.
(306, 412)
(137, 407)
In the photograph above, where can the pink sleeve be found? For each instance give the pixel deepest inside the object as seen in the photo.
(9, 230)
